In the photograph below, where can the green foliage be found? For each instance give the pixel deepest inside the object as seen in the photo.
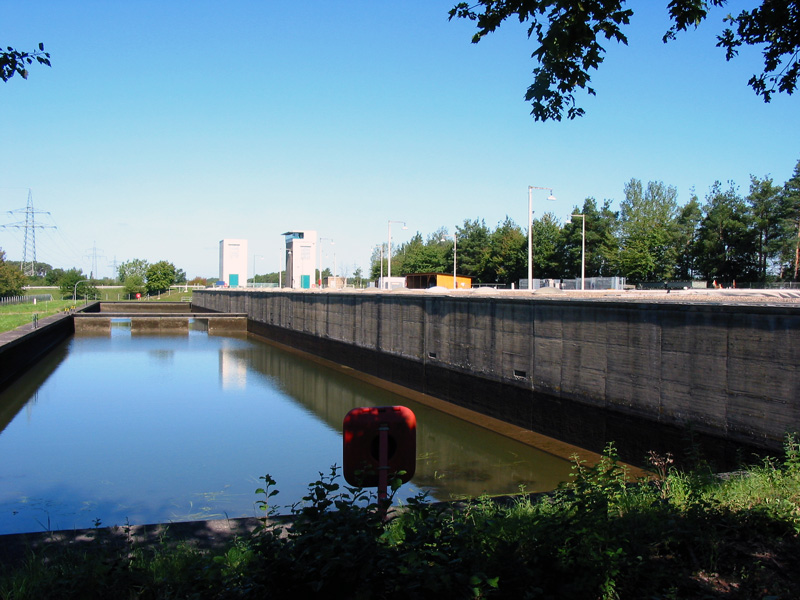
(13, 61)
(507, 259)
(546, 236)
(136, 267)
(672, 535)
(417, 257)
(570, 36)
(134, 284)
(160, 276)
(647, 231)
(473, 248)
(11, 280)
(725, 246)
(75, 284)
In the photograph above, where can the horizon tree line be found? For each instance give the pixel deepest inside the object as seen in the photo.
(728, 237)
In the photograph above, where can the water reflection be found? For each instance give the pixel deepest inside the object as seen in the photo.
(455, 458)
(143, 429)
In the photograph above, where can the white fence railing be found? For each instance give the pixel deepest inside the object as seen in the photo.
(26, 299)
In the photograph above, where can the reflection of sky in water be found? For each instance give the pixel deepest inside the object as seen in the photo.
(143, 429)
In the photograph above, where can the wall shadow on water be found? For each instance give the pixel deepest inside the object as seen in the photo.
(454, 458)
(24, 389)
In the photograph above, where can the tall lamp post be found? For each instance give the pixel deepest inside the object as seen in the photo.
(281, 256)
(255, 256)
(75, 290)
(455, 248)
(583, 248)
(389, 252)
(530, 229)
(320, 257)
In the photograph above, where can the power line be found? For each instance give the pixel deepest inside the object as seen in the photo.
(30, 227)
(94, 274)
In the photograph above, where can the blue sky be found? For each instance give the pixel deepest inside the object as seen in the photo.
(163, 127)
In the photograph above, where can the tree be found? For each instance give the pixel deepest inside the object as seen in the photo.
(602, 245)
(507, 261)
(545, 240)
(53, 276)
(768, 215)
(75, 284)
(13, 61)
(160, 276)
(180, 276)
(134, 284)
(11, 280)
(136, 266)
(415, 256)
(648, 231)
(568, 36)
(725, 248)
(473, 249)
(790, 246)
(687, 222)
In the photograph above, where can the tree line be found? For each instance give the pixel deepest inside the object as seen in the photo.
(727, 237)
(137, 276)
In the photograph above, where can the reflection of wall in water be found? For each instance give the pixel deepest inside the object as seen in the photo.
(454, 457)
(232, 369)
(22, 392)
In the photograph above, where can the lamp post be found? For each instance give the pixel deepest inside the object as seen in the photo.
(320, 257)
(255, 256)
(455, 248)
(530, 229)
(381, 263)
(583, 248)
(280, 265)
(389, 253)
(75, 290)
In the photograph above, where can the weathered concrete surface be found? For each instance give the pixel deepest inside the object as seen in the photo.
(726, 369)
(145, 307)
(22, 348)
(156, 322)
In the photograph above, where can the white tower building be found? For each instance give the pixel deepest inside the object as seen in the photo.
(233, 262)
(301, 261)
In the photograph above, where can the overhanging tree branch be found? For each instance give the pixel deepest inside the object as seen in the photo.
(568, 34)
(13, 61)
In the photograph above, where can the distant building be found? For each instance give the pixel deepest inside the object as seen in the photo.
(301, 263)
(233, 262)
(391, 283)
(421, 281)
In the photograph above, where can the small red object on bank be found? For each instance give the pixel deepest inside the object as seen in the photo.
(364, 430)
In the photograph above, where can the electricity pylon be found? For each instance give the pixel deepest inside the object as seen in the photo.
(30, 227)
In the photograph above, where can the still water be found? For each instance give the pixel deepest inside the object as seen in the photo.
(142, 429)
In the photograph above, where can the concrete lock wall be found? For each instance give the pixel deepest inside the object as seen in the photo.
(728, 371)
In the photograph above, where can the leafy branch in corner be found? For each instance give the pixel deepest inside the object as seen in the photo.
(13, 61)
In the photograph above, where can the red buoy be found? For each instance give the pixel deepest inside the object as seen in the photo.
(370, 432)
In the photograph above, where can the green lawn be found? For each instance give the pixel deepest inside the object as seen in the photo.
(17, 315)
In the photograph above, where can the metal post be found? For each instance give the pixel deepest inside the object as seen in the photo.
(530, 229)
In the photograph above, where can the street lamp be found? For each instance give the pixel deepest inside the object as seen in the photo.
(530, 228)
(455, 248)
(583, 247)
(281, 256)
(75, 291)
(381, 254)
(320, 257)
(389, 248)
(255, 256)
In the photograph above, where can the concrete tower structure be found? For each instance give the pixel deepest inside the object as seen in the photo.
(233, 262)
(301, 262)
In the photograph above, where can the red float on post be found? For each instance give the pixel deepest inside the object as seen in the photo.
(379, 441)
